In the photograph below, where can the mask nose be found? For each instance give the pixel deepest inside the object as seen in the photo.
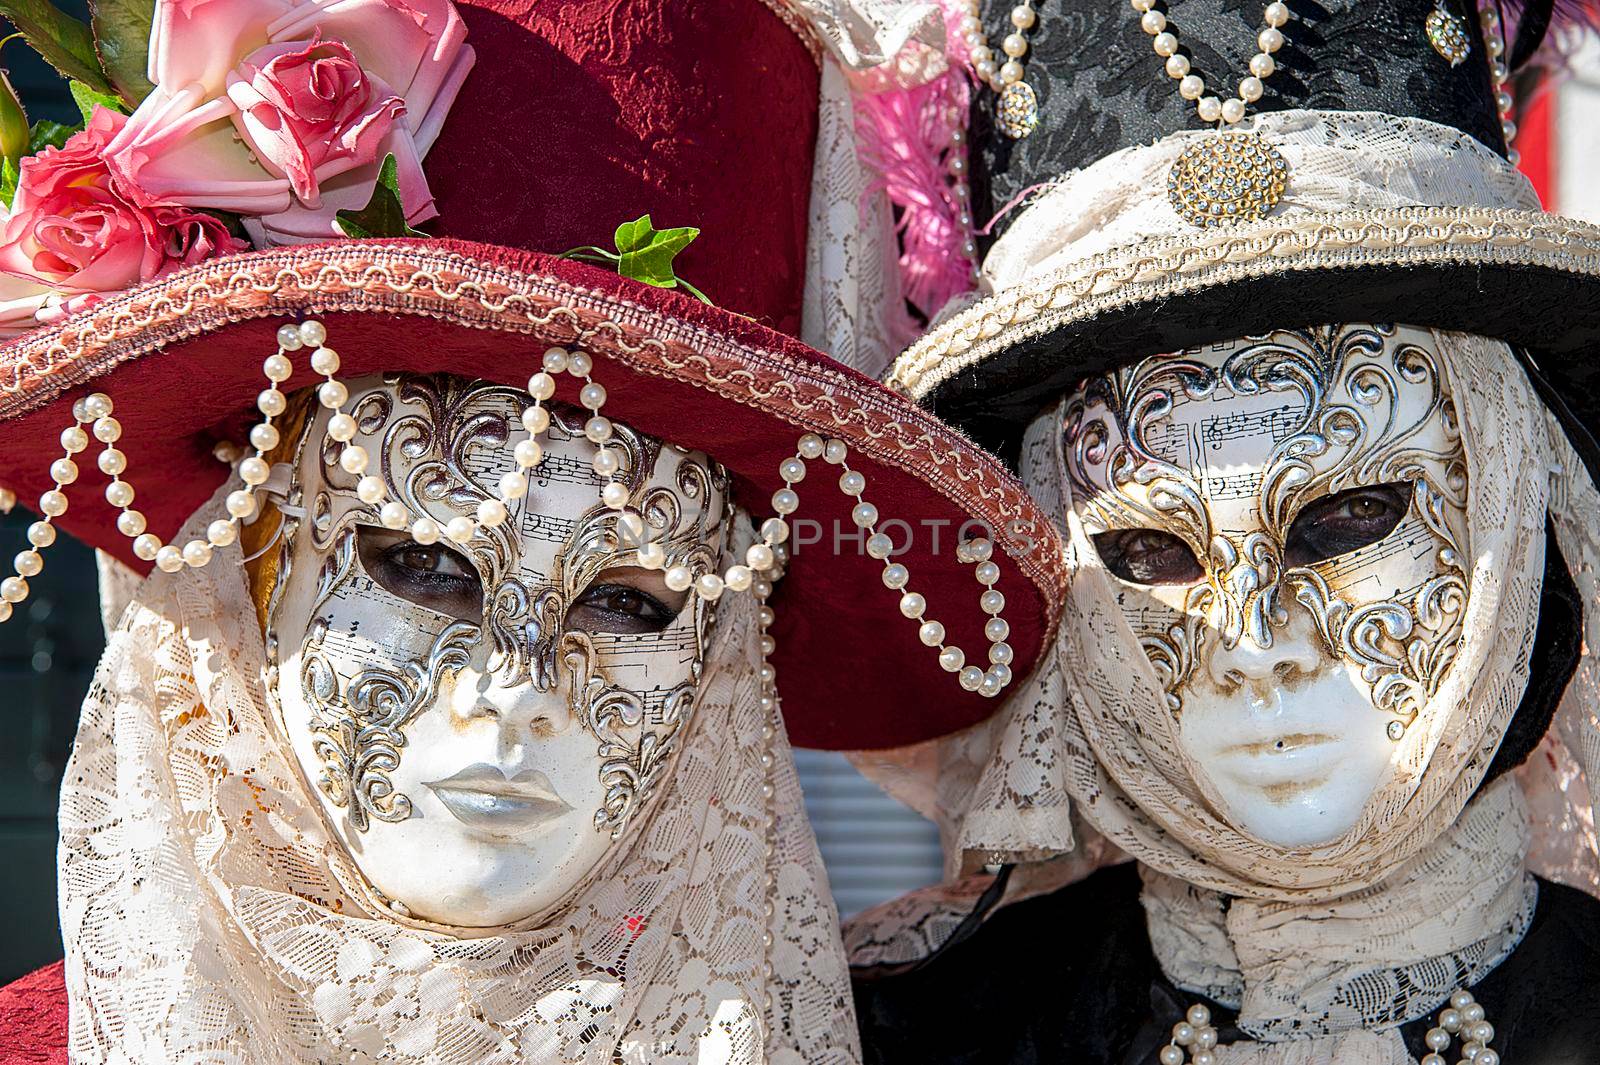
(520, 713)
(1293, 655)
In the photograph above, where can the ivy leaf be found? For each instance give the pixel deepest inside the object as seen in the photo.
(88, 99)
(122, 42)
(64, 42)
(47, 134)
(646, 253)
(383, 216)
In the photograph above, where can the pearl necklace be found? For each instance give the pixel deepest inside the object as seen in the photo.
(1461, 1018)
(1192, 86)
(1017, 110)
(1499, 74)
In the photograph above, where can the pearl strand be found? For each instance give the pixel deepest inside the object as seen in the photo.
(768, 702)
(1195, 1033)
(1191, 86)
(1499, 74)
(982, 54)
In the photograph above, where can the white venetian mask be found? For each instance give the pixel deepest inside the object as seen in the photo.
(1285, 516)
(482, 722)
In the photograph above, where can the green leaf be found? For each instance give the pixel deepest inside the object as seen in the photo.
(647, 252)
(122, 41)
(65, 43)
(8, 182)
(47, 134)
(634, 235)
(383, 216)
(88, 99)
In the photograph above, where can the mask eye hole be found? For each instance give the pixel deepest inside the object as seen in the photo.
(1345, 522)
(1148, 556)
(429, 575)
(626, 600)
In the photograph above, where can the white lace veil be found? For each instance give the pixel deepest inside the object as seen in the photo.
(209, 916)
(1081, 767)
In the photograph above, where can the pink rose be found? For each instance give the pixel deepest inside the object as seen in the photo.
(311, 112)
(74, 234)
(283, 112)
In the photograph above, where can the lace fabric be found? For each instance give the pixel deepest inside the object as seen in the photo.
(1088, 744)
(210, 917)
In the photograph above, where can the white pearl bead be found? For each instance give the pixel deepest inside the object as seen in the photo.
(53, 503)
(992, 602)
(169, 559)
(289, 337)
(1431, 1059)
(990, 686)
(28, 563)
(1014, 45)
(912, 604)
(739, 578)
(985, 69)
(785, 501)
(1171, 1055)
(792, 470)
(1486, 1057)
(1210, 108)
(492, 512)
(80, 411)
(513, 485)
(146, 546)
(253, 471)
(678, 578)
(97, 406)
(555, 360)
(74, 439)
(709, 587)
(931, 633)
(1165, 43)
(1191, 87)
(606, 462)
(1204, 1057)
(774, 530)
(1183, 1033)
(1198, 1015)
(879, 546)
(1232, 110)
(952, 659)
(1483, 1032)
(970, 678)
(1000, 653)
(325, 361)
(758, 557)
(652, 555)
(353, 459)
(43, 534)
(119, 493)
(13, 589)
(241, 503)
(1460, 1000)
(271, 402)
(1142, 5)
(1437, 1038)
(1002, 676)
(614, 495)
(63, 471)
(1270, 39)
(369, 489)
(895, 575)
(111, 462)
(196, 553)
(1261, 65)
(852, 483)
(1178, 66)
(865, 515)
(277, 368)
(592, 396)
(1472, 1014)
(332, 394)
(810, 446)
(579, 364)
(264, 437)
(1450, 1020)
(1276, 14)
(541, 386)
(835, 452)
(460, 528)
(598, 430)
(222, 533)
(1508, 129)
(1250, 89)
(1023, 17)
(342, 427)
(528, 453)
(394, 515)
(107, 430)
(535, 420)
(1011, 72)
(5, 610)
(987, 573)
(312, 333)
(1152, 22)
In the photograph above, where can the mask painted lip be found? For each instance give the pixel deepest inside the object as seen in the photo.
(1279, 746)
(482, 796)
(1305, 757)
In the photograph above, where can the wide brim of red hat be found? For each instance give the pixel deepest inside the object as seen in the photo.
(182, 360)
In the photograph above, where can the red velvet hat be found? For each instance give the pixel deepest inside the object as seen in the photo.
(577, 117)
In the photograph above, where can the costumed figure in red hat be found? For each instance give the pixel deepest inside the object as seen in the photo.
(444, 724)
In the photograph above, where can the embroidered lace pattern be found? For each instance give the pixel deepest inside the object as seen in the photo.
(209, 917)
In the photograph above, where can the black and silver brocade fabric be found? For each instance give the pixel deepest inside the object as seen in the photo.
(1101, 86)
